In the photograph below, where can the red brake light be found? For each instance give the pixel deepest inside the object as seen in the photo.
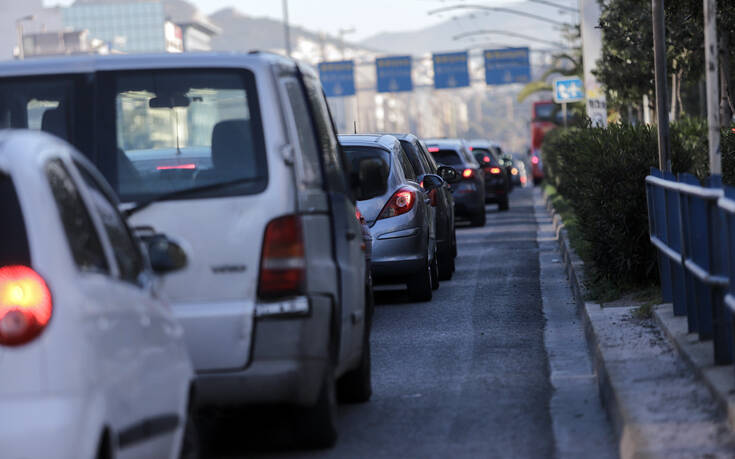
(359, 216)
(471, 148)
(495, 170)
(467, 173)
(486, 159)
(433, 149)
(177, 166)
(400, 203)
(282, 264)
(534, 159)
(25, 305)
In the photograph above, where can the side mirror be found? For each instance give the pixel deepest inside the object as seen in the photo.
(448, 174)
(165, 255)
(371, 179)
(432, 182)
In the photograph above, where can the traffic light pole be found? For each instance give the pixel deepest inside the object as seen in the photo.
(662, 115)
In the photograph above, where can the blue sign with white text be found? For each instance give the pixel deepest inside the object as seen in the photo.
(450, 70)
(507, 66)
(394, 74)
(338, 78)
(568, 90)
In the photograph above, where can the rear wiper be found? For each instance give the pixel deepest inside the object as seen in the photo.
(186, 192)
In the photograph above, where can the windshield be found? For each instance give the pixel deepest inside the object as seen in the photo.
(153, 132)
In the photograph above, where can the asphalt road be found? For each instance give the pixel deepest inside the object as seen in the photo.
(469, 374)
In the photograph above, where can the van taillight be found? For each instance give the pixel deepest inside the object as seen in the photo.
(282, 264)
(25, 305)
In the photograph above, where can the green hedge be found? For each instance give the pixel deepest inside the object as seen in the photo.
(601, 172)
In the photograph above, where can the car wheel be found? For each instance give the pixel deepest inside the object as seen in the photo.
(318, 427)
(503, 205)
(435, 272)
(419, 285)
(480, 219)
(446, 264)
(454, 244)
(356, 385)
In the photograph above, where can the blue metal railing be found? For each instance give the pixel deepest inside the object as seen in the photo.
(693, 228)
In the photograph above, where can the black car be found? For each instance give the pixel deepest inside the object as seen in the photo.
(498, 181)
(469, 192)
(442, 200)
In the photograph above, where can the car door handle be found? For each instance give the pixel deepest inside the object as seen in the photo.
(350, 235)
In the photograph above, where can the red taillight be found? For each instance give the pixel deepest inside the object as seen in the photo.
(433, 149)
(467, 173)
(282, 264)
(400, 203)
(177, 166)
(471, 148)
(534, 159)
(25, 305)
(486, 159)
(495, 170)
(359, 216)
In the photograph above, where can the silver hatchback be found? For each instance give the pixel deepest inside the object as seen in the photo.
(402, 221)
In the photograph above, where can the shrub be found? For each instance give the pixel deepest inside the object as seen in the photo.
(601, 172)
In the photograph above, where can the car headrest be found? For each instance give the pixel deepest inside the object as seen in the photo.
(54, 122)
(231, 142)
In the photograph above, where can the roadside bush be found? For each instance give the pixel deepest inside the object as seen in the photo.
(601, 172)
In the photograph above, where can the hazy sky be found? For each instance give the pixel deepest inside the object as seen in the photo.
(366, 16)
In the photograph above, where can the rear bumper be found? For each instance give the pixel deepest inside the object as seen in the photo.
(48, 426)
(469, 205)
(289, 360)
(398, 254)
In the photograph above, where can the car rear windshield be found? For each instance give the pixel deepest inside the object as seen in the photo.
(14, 249)
(151, 132)
(448, 157)
(482, 153)
(355, 154)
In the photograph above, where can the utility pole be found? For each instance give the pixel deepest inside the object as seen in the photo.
(659, 56)
(286, 28)
(713, 93)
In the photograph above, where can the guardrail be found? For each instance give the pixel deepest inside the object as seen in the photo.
(693, 228)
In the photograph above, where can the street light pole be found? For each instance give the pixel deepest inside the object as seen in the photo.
(286, 28)
(659, 56)
(713, 96)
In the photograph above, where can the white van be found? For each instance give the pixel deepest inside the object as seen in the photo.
(235, 157)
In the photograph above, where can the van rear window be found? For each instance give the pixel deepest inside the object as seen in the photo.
(447, 157)
(14, 248)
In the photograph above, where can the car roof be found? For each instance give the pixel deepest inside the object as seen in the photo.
(93, 63)
(483, 143)
(405, 136)
(448, 144)
(386, 141)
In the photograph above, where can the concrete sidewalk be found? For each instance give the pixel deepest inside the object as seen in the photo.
(658, 405)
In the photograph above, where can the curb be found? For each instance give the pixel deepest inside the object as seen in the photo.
(719, 379)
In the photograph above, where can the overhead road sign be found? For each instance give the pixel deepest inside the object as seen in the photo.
(338, 78)
(450, 70)
(394, 74)
(507, 66)
(567, 90)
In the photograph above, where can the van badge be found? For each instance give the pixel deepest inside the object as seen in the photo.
(228, 269)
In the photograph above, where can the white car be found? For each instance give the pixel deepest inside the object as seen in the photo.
(92, 362)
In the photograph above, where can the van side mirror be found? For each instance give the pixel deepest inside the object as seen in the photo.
(371, 179)
(432, 182)
(165, 255)
(448, 174)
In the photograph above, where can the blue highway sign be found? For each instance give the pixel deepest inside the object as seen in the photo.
(450, 70)
(338, 78)
(507, 66)
(568, 90)
(394, 74)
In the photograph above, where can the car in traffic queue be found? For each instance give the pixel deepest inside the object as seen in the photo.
(93, 362)
(441, 199)
(235, 156)
(497, 179)
(469, 192)
(402, 221)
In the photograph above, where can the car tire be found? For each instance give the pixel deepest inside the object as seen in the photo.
(435, 272)
(446, 264)
(318, 426)
(356, 385)
(480, 219)
(419, 285)
(454, 244)
(504, 205)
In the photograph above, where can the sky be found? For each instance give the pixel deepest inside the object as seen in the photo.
(367, 17)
